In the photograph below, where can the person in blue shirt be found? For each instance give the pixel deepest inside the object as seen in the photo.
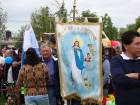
(125, 70)
(106, 71)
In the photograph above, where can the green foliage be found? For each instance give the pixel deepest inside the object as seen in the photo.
(110, 30)
(138, 22)
(92, 17)
(122, 30)
(131, 27)
(3, 19)
(62, 13)
(2, 99)
(88, 13)
(19, 37)
(42, 21)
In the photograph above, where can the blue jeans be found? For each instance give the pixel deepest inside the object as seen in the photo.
(37, 100)
(52, 95)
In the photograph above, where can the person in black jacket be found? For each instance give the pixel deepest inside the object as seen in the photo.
(16, 65)
(54, 84)
(125, 70)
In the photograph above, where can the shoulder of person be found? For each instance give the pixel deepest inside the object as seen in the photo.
(106, 61)
(22, 69)
(117, 57)
(23, 66)
(42, 64)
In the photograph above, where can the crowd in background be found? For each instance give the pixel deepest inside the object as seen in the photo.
(51, 89)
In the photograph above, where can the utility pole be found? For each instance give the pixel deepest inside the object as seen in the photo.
(74, 10)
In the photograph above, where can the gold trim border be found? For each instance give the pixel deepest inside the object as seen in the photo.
(71, 96)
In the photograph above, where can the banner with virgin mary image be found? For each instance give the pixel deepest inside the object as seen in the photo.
(80, 60)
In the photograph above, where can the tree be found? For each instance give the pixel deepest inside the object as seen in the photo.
(131, 27)
(92, 17)
(42, 21)
(19, 37)
(122, 30)
(62, 13)
(138, 22)
(110, 30)
(3, 19)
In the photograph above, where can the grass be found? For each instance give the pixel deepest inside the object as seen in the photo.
(2, 100)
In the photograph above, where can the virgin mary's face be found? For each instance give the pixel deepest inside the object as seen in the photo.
(76, 43)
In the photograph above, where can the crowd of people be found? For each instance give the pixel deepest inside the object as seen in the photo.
(40, 75)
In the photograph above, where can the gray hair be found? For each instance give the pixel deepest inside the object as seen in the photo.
(45, 46)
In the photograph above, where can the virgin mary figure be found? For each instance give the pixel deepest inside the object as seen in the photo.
(77, 65)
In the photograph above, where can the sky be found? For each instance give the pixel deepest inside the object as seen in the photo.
(122, 12)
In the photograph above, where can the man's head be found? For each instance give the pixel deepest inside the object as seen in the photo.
(4, 49)
(131, 43)
(9, 52)
(46, 51)
(117, 50)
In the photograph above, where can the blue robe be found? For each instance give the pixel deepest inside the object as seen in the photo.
(79, 59)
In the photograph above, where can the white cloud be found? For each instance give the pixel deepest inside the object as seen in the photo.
(122, 12)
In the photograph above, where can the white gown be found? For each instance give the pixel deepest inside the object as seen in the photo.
(76, 73)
